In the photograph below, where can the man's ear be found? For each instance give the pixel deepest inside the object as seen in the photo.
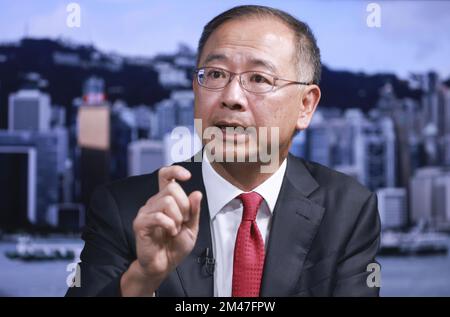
(310, 100)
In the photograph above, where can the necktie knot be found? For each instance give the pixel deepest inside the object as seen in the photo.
(250, 202)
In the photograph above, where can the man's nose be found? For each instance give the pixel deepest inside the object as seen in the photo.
(234, 96)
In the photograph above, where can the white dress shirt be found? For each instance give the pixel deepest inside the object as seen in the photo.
(226, 213)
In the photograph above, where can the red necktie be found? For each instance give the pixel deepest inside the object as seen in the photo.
(248, 250)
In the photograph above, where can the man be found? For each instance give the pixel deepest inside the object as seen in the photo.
(221, 228)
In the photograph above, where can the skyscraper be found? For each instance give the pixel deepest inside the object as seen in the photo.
(379, 154)
(181, 144)
(392, 207)
(94, 143)
(445, 99)
(29, 110)
(145, 156)
(166, 117)
(94, 129)
(184, 101)
(355, 145)
(298, 147)
(318, 143)
(430, 192)
(45, 145)
(18, 187)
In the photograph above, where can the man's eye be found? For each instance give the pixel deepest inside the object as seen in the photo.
(215, 74)
(259, 79)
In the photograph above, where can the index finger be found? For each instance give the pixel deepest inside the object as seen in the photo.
(170, 173)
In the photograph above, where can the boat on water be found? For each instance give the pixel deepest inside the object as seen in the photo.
(28, 249)
(413, 243)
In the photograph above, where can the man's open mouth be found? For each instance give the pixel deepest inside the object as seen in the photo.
(231, 127)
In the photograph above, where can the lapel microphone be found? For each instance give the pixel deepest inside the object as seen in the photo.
(207, 261)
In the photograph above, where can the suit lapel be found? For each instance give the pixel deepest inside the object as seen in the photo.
(194, 276)
(295, 221)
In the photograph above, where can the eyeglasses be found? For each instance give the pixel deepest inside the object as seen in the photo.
(215, 78)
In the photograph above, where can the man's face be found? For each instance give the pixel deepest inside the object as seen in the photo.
(256, 44)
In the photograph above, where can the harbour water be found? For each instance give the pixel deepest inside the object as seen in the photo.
(400, 275)
(415, 275)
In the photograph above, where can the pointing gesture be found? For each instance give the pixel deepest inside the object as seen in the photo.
(165, 229)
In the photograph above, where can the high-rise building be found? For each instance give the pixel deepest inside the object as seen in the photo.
(145, 156)
(392, 206)
(94, 141)
(166, 117)
(143, 117)
(357, 124)
(184, 101)
(62, 143)
(298, 147)
(352, 144)
(29, 110)
(66, 216)
(441, 200)
(181, 144)
(93, 91)
(124, 131)
(435, 120)
(446, 150)
(430, 101)
(46, 147)
(318, 147)
(18, 187)
(430, 192)
(318, 144)
(421, 188)
(446, 125)
(379, 154)
(94, 144)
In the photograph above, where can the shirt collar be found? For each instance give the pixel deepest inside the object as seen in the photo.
(220, 192)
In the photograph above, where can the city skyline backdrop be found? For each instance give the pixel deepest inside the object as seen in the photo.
(76, 116)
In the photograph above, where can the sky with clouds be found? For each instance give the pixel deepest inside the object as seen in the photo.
(414, 35)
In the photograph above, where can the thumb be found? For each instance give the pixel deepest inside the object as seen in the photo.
(195, 199)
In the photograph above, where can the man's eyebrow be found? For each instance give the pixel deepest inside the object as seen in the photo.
(263, 63)
(215, 57)
(253, 61)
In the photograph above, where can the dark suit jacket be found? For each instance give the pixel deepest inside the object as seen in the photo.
(325, 231)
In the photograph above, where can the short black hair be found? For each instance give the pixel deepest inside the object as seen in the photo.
(308, 51)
